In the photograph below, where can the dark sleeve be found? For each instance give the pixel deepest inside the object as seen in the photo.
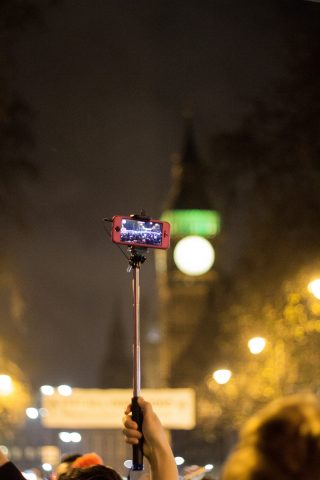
(9, 471)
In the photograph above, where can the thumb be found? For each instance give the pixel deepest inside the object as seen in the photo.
(145, 406)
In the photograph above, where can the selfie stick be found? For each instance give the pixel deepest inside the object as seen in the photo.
(137, 257)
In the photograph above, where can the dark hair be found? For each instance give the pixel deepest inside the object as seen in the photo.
(70, 457)
(96, 472)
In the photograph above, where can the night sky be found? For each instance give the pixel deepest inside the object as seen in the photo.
(108, 82)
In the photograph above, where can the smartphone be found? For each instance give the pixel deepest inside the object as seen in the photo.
(140, 233)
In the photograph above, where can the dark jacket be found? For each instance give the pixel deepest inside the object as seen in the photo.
(9, 471)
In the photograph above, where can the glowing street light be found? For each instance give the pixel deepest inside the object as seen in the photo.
(256, 345)
(43, 412)
(314, 288)
(32, 413)
(222, 376)
(47, 390)
(6, 385)
(47, 467)
(29, 475)
(70, 437)
(65, 390)
(75, 437)
(15, 397)
(65, 437)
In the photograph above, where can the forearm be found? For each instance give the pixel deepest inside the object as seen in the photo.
(163, 465)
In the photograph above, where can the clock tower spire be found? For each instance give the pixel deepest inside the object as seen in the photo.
(189, 189)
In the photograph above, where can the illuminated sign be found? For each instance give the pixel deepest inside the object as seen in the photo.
(97, 408)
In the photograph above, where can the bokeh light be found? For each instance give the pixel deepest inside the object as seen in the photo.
(68, 437)
(32, 413)
(314, 288)
(222, 376)
(47, 390)
(65, 390)
(256, 345)
(6, 385)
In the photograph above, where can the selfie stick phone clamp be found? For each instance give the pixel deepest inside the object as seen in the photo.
(137, 257)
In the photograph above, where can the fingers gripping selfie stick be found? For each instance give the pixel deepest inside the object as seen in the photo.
(137, 257)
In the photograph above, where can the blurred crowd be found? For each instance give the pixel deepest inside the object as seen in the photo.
(281, 442)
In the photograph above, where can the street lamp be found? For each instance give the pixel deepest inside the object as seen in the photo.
(70, 437)
(314, 288)
(47, 390)
(65, 390)
(32, 413)
(6, 385)
(47, 467)
(222, 376)
(256, 345)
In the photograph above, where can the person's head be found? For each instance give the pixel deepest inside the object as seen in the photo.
(65, 463)
(96, 472)
(281, 442)
(77, 460)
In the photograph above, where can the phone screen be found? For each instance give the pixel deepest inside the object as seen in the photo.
(141, 232)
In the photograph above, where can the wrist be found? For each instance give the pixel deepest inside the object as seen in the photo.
(161, 460)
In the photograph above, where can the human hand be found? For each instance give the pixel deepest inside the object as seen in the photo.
(3, 458)
(156, 446)
(154, 435)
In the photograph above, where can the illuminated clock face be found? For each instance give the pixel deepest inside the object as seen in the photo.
(193, 255)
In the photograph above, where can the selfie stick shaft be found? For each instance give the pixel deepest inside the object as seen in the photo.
(136, 332)
(137, 450)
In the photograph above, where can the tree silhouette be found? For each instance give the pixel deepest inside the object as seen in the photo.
(266, 179)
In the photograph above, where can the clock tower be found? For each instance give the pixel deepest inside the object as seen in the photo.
(185, 272)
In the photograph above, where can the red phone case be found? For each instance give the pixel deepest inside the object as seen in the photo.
(117, 229)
